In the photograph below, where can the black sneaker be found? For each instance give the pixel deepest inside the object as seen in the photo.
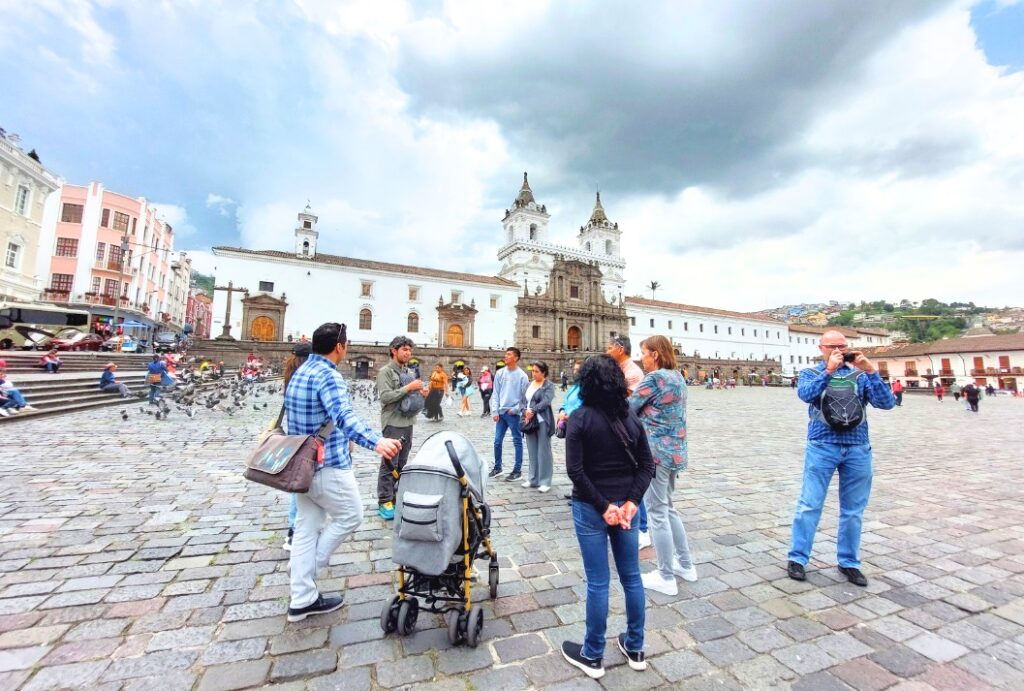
(288, 540)
(796, 571)
(513, 476)
(573, 654)
(853, 575)
(322, 605)
(636, 660)
(494, 472)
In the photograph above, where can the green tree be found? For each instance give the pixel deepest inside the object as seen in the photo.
(203, 282)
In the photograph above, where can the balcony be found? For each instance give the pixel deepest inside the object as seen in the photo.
(909, 372)
(978, 372)
(946, 372)
(54, 295)
(113, 265)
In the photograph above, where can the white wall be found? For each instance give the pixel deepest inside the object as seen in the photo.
(318, 293)
(695, 332)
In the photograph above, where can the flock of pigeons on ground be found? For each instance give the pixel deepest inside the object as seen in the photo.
(228, 395)
(225, 395)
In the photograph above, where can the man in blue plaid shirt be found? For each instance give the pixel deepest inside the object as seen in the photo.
(829, 450)
(332, 509)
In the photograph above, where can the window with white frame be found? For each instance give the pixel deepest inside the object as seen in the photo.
(121, 221)
(13, 255)
(414, 293)
(366, 289)
(101, 250)
(21, 200)
(494, 302)
(67, 247)
(95, 284)
(61, 282)
(71, 213)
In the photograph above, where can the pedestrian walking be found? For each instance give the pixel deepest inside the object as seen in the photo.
(510, 384)
(954, 389)
(610, 465)
(465, 386)
(401, 398)
(332, 509)
(897, 391)
(300, 352)
(972, 394)
(660, 403)
(438, 387)
(155, 372)
(940, 391)
(565, 380)
(538, 427)
(486, 384)
(837, 440)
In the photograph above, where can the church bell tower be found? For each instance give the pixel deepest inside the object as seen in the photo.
(306, 234)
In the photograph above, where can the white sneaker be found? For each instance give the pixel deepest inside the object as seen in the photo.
(29, 407)
(544, 488)
(644, 539)
(654, 581)
(4, 412)
(689, 575)
(13, 411)
(526, 484)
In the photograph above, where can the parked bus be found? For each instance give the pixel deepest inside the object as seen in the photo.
(29, 327)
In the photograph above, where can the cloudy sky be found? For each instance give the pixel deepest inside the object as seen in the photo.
(754, 154)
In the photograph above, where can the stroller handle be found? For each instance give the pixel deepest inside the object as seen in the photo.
(455, 459)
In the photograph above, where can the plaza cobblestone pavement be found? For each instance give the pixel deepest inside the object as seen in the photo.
(134, 556)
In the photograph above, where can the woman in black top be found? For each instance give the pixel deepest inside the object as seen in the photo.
(610, 465)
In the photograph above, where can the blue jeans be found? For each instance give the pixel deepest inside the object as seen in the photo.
(641, 518)
(594, 535)
(52, 367)
(154, 392)
(820, 461)
(15, 399)
(507, 421)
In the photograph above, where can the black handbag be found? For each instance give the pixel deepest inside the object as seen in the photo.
(531, 425)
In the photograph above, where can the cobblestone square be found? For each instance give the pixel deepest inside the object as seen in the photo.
(135, 556)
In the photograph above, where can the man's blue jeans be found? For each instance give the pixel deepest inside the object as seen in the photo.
(594, 535)
(820, 461)
(15, 399)
(507, 421)
(154, 392)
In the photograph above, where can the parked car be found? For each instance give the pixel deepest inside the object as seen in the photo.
(77, 341)
(130, 345)
(165, 342)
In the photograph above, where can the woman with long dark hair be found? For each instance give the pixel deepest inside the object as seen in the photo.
(539, 395)
(610, 465)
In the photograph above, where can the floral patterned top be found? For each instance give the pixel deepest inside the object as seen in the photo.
(660, 402)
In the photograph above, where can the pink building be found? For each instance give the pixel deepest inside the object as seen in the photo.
(198, 314)
(111, 250)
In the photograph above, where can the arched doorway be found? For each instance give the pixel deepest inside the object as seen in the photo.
(573, 338)
(262, 329)
(454, 338)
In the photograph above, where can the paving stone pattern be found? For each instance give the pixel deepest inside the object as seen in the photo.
(133, 555)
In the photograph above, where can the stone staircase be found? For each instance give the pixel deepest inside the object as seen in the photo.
(21, 362)
(57, 394)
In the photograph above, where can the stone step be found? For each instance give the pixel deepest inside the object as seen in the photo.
(50, 402)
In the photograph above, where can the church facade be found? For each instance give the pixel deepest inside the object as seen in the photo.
(545, 297)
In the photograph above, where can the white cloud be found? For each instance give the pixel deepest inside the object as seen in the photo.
(177, 216)
(224, 205)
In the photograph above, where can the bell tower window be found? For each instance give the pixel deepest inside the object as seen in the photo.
(305, 248)
(533, 231)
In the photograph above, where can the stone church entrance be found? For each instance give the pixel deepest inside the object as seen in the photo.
(263, 329)
(455, 337)
(573, 338)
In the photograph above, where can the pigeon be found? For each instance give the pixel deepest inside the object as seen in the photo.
(124, 414)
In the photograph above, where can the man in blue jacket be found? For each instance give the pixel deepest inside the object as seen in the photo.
(837, 440)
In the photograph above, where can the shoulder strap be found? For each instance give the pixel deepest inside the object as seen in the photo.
(620, 432)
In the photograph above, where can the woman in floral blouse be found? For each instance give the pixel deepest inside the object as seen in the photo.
(660, 402)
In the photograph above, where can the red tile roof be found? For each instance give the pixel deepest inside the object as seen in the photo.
(644, 302)
(352, 263)
(975, 344)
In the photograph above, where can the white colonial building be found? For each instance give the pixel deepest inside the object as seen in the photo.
(377, 300)
(804, 341)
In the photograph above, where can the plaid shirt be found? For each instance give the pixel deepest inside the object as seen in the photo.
(316, 392)
(813, 381)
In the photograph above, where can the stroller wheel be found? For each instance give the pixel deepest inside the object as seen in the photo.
(389, 615)
(455, 623)
(408, 611)
(492, 578)
(474, 626)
